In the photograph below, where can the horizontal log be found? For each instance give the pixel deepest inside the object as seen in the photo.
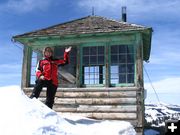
(95, 108)
(90, 89)
(95, 101)
(96, 94)
(111, 116)
(110, 94)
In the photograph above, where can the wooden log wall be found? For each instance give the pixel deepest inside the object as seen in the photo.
(98, 103)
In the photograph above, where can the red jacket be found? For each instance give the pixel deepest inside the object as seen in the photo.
(48, 67)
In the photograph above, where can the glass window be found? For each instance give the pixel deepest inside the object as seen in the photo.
(93, 65)
(66, 73)
(122, 64)
(36, 55)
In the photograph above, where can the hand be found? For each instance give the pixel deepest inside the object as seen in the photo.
(41, 77)
(68, 49)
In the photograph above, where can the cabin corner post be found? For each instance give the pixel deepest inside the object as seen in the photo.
(26, 67)
(139, 61)
(78, 69)
(140, 82)
(107, 64)
(140, 110)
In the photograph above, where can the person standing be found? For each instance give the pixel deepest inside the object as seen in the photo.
(47, 75)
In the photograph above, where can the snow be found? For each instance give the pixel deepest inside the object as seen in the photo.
(20, 115)
(157, 114)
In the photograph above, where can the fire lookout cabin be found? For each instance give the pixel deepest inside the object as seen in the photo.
(104, 79)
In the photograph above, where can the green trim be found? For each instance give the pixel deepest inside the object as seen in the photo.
(81, 58)
(123, 84)
(108, 44)
(81, 62)
(107, 64)
(29, 53)
(93, 85)
(63, 41)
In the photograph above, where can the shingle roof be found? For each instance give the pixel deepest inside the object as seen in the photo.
(86, 25)
(90, 25)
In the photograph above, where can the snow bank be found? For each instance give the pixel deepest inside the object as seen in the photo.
(156, 114)
(20, 115)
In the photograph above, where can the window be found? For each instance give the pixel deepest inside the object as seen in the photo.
(34, 60)
(93, 65)
(93, 70)
(122, 64)
(66, 73)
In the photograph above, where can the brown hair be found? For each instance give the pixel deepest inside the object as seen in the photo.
(47, 49)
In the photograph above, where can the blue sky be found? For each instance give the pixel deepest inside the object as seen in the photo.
(20, 16)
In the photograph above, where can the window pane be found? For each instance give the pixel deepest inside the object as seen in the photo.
(122, 58)
(100, 50)
(86, 60)
(114, 81)
(114, 69)
(86, 77)
(130, 58)
(100, 59)
(122, 68)
(114, 49)
(122, 48)
(130, 78)
(122, 78)
(86, 51)
(93, 50)
(91, 81)
(93, 60)
(114, 76)
(114, 59)
(130, 68)
(96, 69)
(86, 81)
(86, 69)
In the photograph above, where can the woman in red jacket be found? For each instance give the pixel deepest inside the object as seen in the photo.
(47, 75)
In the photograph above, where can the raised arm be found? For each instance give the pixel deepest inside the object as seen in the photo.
(66, 57)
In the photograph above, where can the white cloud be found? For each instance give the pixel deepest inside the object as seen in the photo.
(169, 85)
(169, 58)
(24, 6)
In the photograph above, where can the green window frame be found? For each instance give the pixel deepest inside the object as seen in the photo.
(36, 55)
(93, 58)
(122, 65)
(93, 65)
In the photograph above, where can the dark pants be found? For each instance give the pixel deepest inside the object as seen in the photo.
(50, 93)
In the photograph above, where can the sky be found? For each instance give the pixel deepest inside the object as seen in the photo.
(32, 117)
(21, 16)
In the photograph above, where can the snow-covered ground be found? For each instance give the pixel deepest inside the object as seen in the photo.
(20, 115)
